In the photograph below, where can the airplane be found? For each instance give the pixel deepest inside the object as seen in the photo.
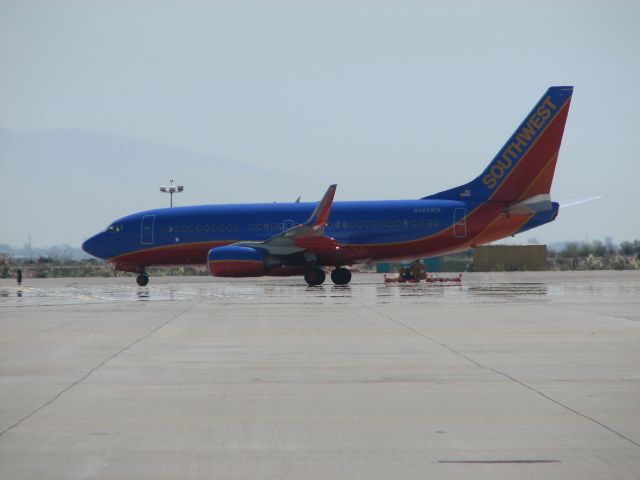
(510, 196)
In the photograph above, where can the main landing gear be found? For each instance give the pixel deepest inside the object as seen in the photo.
(316, 276)
(341, 276)
(142, 279)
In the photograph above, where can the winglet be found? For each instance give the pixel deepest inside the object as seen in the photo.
(320, 215)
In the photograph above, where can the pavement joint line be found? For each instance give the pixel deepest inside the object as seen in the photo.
(97, 367)
(499, 462)
(602, 314)
(503, 374)
(617, 317)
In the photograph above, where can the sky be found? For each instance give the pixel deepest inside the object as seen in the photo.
(387, 99)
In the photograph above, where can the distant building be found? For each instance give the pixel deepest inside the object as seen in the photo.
(492, 258)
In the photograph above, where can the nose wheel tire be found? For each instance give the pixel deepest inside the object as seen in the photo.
(142, 279)
(341, 276)
(314, 277)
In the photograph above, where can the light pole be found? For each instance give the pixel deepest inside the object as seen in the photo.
(171, 189)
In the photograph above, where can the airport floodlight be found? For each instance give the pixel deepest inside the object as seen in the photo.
(171, 189)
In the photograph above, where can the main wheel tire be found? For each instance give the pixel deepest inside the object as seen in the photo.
(341, 276)
(314, 277)
(142, 279)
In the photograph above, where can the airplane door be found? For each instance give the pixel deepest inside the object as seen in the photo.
(146, 229)
(460, 223)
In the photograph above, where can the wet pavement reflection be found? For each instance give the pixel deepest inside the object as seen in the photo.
(509, 289)
(366, 288)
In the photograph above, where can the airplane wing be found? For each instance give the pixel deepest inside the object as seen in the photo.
(308, 236)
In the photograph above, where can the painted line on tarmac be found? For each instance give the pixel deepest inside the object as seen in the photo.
(94, 369)
(503, 374)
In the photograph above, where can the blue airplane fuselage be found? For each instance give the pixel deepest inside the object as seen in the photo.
(511, 195)
(367, 230)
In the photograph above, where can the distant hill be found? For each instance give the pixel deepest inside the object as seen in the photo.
(64, 185)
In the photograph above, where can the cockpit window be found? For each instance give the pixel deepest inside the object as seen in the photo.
(115, 228)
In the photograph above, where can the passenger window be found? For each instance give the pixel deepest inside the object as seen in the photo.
(229, 227)
(192, 228)
(183, 229)
(360, 224)
(199, 228)
(367, 224)
(259, 226)
(251, 227)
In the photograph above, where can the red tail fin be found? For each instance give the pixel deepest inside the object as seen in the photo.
(525, 165)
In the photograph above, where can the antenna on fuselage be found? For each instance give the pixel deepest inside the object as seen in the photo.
(171, 189)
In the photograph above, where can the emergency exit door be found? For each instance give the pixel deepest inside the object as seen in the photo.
(146, 230)
(460, 222)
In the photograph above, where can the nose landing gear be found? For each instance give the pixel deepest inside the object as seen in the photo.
(142, 279)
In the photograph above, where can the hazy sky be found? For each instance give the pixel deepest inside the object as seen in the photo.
(388, 99)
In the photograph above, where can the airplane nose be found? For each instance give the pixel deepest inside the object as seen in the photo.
(93, 246)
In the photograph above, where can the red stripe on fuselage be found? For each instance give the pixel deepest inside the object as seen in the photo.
(182, 254)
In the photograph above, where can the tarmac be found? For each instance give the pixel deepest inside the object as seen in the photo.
(510, 375)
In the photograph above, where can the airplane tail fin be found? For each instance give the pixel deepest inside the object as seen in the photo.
(524, 166)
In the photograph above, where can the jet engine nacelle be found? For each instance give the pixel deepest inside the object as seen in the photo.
(235, 261)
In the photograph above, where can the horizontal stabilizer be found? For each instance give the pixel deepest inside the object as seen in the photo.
(536, 204)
